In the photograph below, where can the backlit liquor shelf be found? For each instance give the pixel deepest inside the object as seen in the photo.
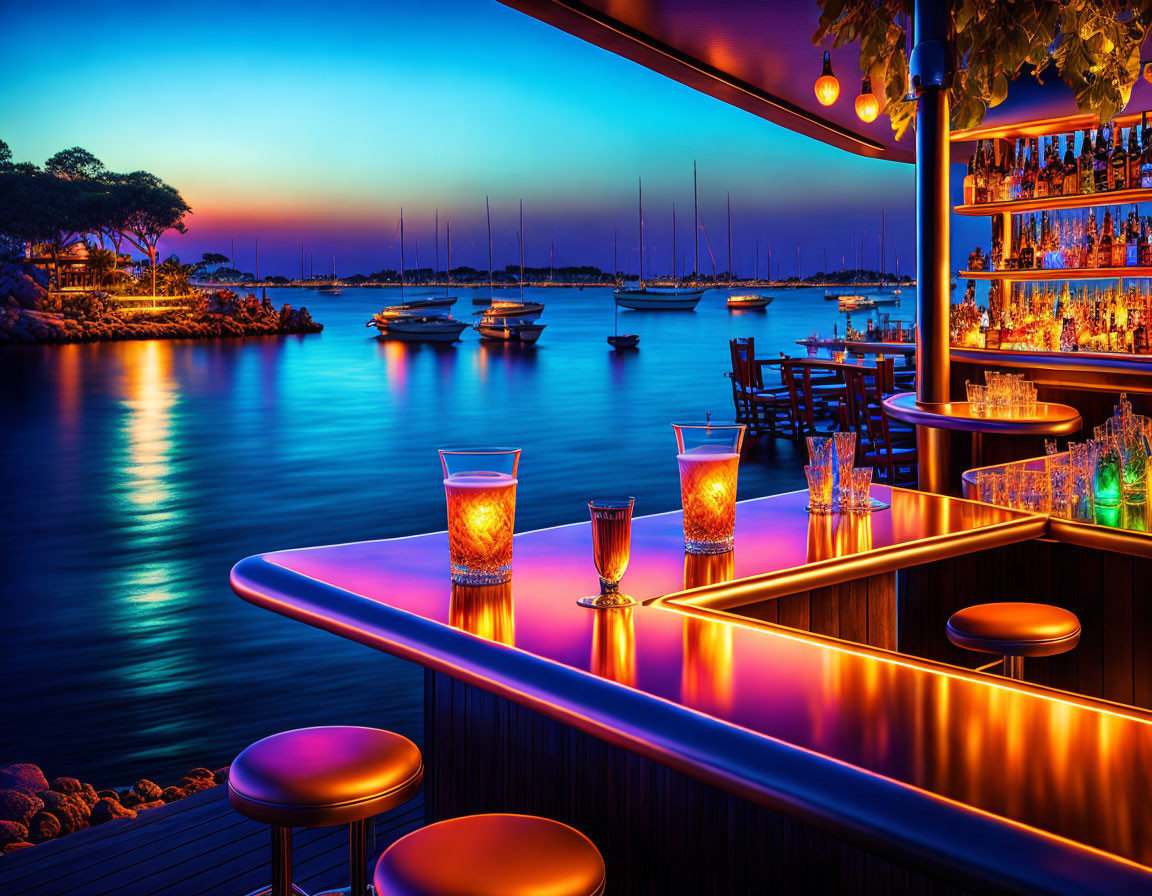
(1041, 275)
(1055, 203)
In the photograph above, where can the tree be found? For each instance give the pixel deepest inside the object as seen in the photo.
(209, 259)
(152, 209)
(5, 155)
(74, 164)
(176, 278)
(1092, 45)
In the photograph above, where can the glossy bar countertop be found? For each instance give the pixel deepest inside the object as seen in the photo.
(1001, 783)
(1049, 419)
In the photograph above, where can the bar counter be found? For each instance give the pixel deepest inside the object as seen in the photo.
(691, 743)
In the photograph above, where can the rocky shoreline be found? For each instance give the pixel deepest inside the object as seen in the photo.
(34, 809)
(29, 314)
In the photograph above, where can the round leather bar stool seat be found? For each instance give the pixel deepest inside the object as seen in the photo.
(492, 855)
(317, 777)
(1015, 629)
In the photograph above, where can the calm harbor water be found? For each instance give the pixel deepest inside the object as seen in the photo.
(137, 473)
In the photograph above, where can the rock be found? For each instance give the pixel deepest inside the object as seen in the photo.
(18, 807)
(147, 790)
(22, 776)
(108, 795)
(12, 832)
(194, 785)
(71, 811)
(65, 785)
(154, 804)
(43, 826)
(221, 775)
(171, 794)
(15, 847)
(107, 810)
(130, 799)
(88, 794)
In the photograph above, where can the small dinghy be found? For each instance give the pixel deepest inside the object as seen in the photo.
(749, 303)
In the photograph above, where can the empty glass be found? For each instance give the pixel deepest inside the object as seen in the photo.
(862, 490)
(819, 451)
(844, 444)
(819, 488)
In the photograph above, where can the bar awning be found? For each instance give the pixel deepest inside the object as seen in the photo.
(758, 55)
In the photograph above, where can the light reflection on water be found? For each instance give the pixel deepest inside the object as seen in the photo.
(141, 471)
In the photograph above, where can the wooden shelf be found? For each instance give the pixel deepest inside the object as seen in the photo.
(1036, 275)
(1040, 127)
(1055, 203)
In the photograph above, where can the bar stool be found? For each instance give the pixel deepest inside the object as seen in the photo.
(1014, 630)
(491, 855)
(320, 777)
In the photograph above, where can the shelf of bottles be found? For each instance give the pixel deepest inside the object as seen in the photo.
(1063, 224)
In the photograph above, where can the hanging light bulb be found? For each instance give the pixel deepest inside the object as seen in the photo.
(867, 106)
(827, 87)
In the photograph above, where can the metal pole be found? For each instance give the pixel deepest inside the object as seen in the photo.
(931, 66)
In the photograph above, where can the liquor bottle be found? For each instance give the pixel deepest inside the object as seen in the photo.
(1104, 244)
(1053, 170)
(995, 188)
(1040, 168)
(1100, 163)
(1118, 164)
(1146, 155)
(1087, 182)
(970, 182)
(980, 174)
(1088, 243)
(1119, 244)
(1027, 254)
(1131, 230)
(1133, 179)
(1071, 174)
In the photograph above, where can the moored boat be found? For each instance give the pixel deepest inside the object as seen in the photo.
(749, 302)
(423, 329)
(524, 311)
(654, 298)
(508, 329)
(624, 340)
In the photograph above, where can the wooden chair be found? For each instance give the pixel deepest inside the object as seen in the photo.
(893, 461)
(756, 406)
(814, 394)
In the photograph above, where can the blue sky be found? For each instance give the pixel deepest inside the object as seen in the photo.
(291, 126)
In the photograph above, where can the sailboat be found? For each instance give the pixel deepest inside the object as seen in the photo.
(420, 320)
(619, 340)
(330, 288)
(654, 298)
(892, 298)
(512, 321)
(744, 301)
(480, 300)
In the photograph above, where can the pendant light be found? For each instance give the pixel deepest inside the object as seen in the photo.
(867, 106)
(827, 87)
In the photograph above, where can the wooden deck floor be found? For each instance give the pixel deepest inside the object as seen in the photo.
(196, 846)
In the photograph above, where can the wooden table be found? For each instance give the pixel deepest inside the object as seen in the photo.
(958, 416)
(704, 751)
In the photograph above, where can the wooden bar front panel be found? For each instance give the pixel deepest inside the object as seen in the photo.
(1111, 593)
(660, 831)
(862, 610)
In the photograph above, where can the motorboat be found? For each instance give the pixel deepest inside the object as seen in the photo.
(523, 311)
(423, 329)
(749, 302)
(418, 307)
(509, 329)
(624, 340)
(856, 303)
(656, 298)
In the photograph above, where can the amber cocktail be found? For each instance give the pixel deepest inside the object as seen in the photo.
(611, 548)
(480, 488)
(709, 459)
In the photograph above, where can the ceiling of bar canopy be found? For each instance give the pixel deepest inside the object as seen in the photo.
(758, 55)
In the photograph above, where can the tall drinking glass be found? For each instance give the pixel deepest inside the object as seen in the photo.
(480, 488)
(709, 459)
(611, 548)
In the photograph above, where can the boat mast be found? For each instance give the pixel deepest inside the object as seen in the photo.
(729, 236)
(615, 282)
(521, 239)
(448, 278)
(881, 248)
(436, 273)
(695, 227)
(673, 243)
(401, 254)
(552, 259)
(640, 200)
(488, 210)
